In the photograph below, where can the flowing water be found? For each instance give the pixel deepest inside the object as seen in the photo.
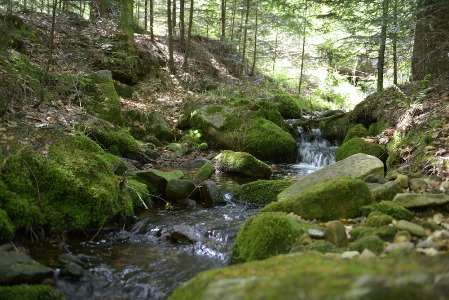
(140, 262)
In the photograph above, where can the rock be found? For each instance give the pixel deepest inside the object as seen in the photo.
(336, 234)
(179, 189)
(315, 233)
(402, 236)
(386, 191)
(156, 178)
(178, 148)
(267, 234)
(335, 199)
(407, 246)
(413, 228)
(243, 129)
(367, 255)
(242, 163)
(260, 192)
(370, 242)
(185, 234)
(418, 185)
(393, 209)
(409, 200)
(359, 145)
(319, 246)
(205, 172)
(350, 254)
(377, 219)
(73, 271)
(358, 166)
(356, 131)
(18, 268)
(402, 180)
(375, 178)
(211, 194)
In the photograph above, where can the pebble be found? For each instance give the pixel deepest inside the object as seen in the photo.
(350, 254)
(404, 245)
(316, 233)
(413, 228)
(367, 255)
(438, 218)
(402, 236)
(427, 244)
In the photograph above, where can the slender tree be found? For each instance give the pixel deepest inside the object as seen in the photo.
(189, 36)
(382, 46)
(181, 22)
(171, 60)
(255, 42)
(223, 20)
(152, 20)
(245, 35)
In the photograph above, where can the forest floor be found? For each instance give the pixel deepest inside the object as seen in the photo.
(81, 48)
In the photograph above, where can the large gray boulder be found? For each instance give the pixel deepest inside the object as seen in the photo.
(410, 200)
(17, 268)
(242, 163)
(359, 166)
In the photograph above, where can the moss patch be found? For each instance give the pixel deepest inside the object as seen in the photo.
(356, 131)
(359, 145)
(331, 200)
(242, 163)
(267, 234)
(29, 292)
(260, 192)
(6, 227)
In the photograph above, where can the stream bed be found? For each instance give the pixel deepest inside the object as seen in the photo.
(141, 262)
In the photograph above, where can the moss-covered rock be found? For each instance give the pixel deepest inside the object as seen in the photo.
(377, 219)
(386, 191)
(393, 209)
(370, 242)
(101, 98)
(138, 193)
(73, 188)
(267, 234)
(146, 125)
(239, 128)
(359, 145)
(315, 276)
(117, 141)
(287, 106)
(356, 131)
(331, 200)
(30, 292)
(319, 246)
(242, 163)
(260, 192)
(385, 232)
(204, 173)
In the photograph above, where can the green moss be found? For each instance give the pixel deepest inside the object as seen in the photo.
(260, 192)
(204, 173)
(377, 128)
(6, 227)
(358, 145)
(319, 246)
(288, 106)
(361, 231)
(115, 141)
(331, 200)
(356, 131)
(370, 242)
(102, 99)
(377, 219)
(138, 193)
(267, 234)
(387, 191)
(267, 141)
(393, 209)
(242, 163)
(29, 292)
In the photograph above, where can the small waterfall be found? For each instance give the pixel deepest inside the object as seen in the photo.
(314, 149)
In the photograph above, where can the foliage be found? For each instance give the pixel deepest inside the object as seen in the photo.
(30, 292)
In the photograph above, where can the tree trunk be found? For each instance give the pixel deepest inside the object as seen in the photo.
(234, 10)
(223, 20)
(173, 17)
(253, 67)
(152, 20)
(395, 42)
(431, 46)
(245, 35)
(171, 61)
(182, 28)
(303, 50)
(382, 44)
(189, 36)
(145, 21)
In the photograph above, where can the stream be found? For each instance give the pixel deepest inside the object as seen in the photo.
(140, 262)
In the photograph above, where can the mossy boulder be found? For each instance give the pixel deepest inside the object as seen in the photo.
(393, 209)
(377, 219)
(319, 246)
(73, 188)
(359, 145)
(30, 292)
(260, 192)
(385, 232)
(239, 128)
(316, 276)
(359, 166)
(331, 200)
(139, 193)
(204, 173)
(147, 125)
(370, 242)
(386, 191)
(101, 98)
(267, 234)
(117, 141)
(242, 163)
(356, 131)
(288, 106)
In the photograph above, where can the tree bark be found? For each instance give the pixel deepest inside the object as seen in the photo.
(382, 44)
(152, 20)
(223, 20)
(171, 61)
(245, 35)
(253, 67)
(431, 46)
(182, 23)
(189, 37)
